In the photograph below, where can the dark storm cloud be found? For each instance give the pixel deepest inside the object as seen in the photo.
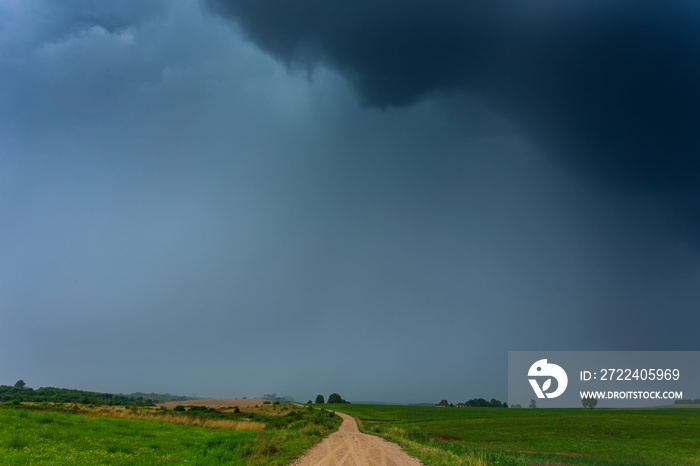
(180, 212)
(609, 89)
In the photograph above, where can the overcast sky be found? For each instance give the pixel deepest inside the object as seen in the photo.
(375, 198)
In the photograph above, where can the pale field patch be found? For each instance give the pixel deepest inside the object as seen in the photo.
(240, 402)
(152, 414)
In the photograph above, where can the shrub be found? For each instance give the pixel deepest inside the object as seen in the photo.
(334, 398)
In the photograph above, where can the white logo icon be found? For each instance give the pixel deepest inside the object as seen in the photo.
(543, 369)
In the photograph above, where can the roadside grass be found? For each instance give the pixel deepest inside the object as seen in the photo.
(53, 434)
(447, 436)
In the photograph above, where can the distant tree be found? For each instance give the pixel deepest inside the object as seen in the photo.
(20, 384)
(309, 402)
(443, 403)
(533, 404)
(687, 401)
(320, 400)
(589, 402)
(478, 403)
(334, 398)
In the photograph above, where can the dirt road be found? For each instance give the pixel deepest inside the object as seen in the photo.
(348, 447)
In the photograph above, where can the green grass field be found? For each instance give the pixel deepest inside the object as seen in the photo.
(534, 436)
(59, 435)
(276, 435)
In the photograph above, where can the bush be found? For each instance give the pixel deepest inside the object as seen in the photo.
(203, 411)
(334, 398)
(589, 402)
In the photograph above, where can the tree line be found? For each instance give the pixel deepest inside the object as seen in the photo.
(19, 392)
(333, 398)
(687, 402)
(476, 403)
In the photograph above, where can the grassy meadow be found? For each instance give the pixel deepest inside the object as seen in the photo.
(58, 434)
(453, 436)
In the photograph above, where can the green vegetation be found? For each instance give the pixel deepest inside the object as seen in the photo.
(439, 436)
(31, 437)
(21, 393)
(482, 403)
(157, 397)
(334, 398)
(53, 434)
(589, 402)
(686, 401)
(473, 403)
